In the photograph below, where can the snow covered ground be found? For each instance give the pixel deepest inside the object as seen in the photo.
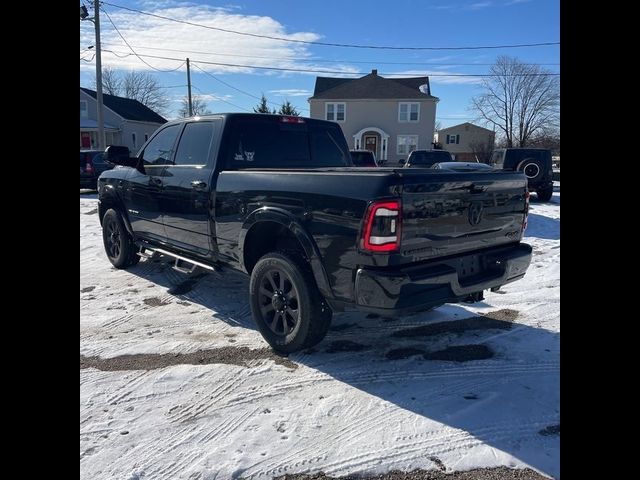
(363, 401)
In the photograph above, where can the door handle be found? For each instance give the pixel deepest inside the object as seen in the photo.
(199, 184)
(155, 181)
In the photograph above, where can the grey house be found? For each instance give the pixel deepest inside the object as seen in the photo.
(389, 116)
(126, 122)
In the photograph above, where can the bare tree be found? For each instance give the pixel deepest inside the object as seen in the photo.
(521, 100)
(140, 86)
(145, 88)
(482, 150)
(198, 106)
(438, 126)
(111, 82)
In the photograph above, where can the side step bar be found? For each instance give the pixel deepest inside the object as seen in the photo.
(179, 260)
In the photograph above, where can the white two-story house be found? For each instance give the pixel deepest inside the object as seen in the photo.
(389, 116)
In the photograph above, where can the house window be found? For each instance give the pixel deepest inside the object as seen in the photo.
(336, 112)
(408, 112)
(134, 139)
(453, 139)
(84, 109)
(407, 144)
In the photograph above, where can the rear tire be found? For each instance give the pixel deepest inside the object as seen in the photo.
(286, 304)
(544, 194)
(118, 243)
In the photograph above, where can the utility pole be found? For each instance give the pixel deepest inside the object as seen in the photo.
(189, 87)
(84, 15)
(96, 22)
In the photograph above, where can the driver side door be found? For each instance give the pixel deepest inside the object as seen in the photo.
(145, 187)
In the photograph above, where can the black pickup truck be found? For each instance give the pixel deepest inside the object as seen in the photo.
(278, 197)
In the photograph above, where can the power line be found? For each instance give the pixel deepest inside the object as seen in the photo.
(215, 97)
(134, 52)
(237, 89)
(316, 60)
(327, 44)
(341, 72)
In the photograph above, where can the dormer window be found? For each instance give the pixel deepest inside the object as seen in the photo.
(84, 111)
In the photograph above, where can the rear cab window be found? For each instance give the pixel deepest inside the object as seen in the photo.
(270, 142)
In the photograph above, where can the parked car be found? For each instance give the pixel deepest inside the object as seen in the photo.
(92, 164)
(277, 197)
(535, 163)
(426, 158)
(363, 158)
(462, 166)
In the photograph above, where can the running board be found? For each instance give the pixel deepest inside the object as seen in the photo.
(180, 260)
(142, 253)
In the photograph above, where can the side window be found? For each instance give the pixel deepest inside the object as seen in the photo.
(160, 150)
(195, 143)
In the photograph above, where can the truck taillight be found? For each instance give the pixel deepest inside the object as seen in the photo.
(526, 210)
(382, 222)
(89, 164)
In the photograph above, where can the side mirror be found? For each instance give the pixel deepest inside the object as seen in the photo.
(119, 155)
(402, 161)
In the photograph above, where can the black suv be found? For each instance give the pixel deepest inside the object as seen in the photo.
(426, 158)
(535, 163)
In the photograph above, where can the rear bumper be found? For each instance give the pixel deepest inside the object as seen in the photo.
(541, 185)
(450, 280)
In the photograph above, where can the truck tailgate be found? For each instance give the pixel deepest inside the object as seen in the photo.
(450, 213)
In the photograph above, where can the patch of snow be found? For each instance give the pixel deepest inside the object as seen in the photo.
(342, 413)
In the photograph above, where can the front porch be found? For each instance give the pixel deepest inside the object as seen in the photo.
(89, 134)
(373, 139)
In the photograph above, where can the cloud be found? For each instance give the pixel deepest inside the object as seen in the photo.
(150, 36)
(479, 5)
(291, 92)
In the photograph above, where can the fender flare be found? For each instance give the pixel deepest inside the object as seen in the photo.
(109, 198)
(284, 218)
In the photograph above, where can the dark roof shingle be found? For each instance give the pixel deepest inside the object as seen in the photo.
(370, 86)
(127, 108)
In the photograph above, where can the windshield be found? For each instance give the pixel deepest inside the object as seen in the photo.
(427, 159)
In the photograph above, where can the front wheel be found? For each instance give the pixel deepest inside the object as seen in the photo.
(286, 304)
(118, 244)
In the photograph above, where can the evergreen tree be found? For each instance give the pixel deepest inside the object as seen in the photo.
(262, 107)
(288, 109)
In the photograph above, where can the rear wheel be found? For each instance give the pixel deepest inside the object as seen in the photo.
(118, 243)
(544, 194)
(286, 304)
